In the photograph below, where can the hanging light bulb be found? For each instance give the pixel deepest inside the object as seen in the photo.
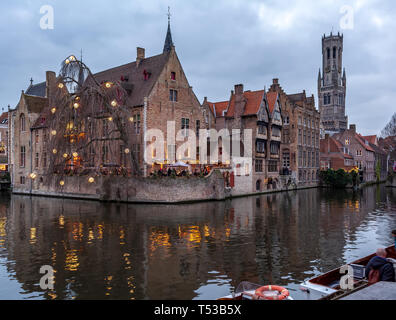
(91, 180)
(108, 84)
(33, 176)
(65, 155)
(110, 118)
(76, 105)
(53, 110)
(114, 103)
(54, 151)
(131, 119)
(127, 151)
(67, 61)
(75, 154)
(53, 132)
(72, 58)
(60, 85)
(62, 183)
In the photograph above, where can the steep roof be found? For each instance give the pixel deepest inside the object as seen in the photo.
(134, 72)
(253, 101)
(38, 90)
(168, 40)
(371, 139)
(296, 97)
(272, 96)
(363, 142)
(35, 104)
(217, 108)
(4, 118)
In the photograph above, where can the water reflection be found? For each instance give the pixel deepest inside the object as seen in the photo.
(195, 251)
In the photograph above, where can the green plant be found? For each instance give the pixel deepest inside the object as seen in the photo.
(336, 179)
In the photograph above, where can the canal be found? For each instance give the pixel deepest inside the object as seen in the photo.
(194, 251)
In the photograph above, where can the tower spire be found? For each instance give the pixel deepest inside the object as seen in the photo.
(168, 40)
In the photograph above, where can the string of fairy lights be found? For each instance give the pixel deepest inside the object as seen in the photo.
(83, 116)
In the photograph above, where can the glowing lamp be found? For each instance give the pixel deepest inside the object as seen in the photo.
(110, 118)
(53, 110)
(114, 103)
(65, 155)
(60, 85)
(75, 154)
(131, 119)
(67, 61)
(127, 151)
(76, 105)
(108, 84)
(91, 180)
(33, 176)
(53, 132)
(62, 183)
(54, 151)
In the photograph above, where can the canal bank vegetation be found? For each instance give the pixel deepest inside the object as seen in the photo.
(339, 178)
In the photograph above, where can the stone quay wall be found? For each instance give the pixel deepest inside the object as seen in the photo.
(131, 189)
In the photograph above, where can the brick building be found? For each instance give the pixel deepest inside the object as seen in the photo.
(25, 152)
(158, 92)
(300, 136)
(360, 149)
(333, 155)
(259, 112)
(4, 141)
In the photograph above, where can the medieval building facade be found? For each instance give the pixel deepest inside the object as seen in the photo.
(300, 136)
(158, 94)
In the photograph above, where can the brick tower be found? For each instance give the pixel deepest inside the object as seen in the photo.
(332, 85)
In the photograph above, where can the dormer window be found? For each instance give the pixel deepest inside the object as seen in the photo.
(173, 76)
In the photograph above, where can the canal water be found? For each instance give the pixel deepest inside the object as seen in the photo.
(194, 251)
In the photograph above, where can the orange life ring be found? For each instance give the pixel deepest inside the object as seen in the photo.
(284, 293)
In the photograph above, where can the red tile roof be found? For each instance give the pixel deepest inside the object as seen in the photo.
(362, 141)
(371, 139)
(271, 98)
(4, 118)
(253, 101)
(217, 108)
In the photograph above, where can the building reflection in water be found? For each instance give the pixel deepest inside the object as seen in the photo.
(128, 251)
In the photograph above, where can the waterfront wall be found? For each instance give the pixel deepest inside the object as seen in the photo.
(149, 190)
(131, 189)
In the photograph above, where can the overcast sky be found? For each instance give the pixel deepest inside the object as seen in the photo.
(219, 42)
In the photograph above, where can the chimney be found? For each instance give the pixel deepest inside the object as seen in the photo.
(352, 128)
(275, 81)
(50, 79)
(205, 100)
(140, 55)
(239, 89)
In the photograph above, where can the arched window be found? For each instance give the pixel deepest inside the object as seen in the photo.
(334, 52)
(22, 122)
(258, 185)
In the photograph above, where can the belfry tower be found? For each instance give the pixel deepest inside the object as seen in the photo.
(332, 85)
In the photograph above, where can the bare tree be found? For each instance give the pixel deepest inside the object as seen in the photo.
(390, 128)
(91, 128)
